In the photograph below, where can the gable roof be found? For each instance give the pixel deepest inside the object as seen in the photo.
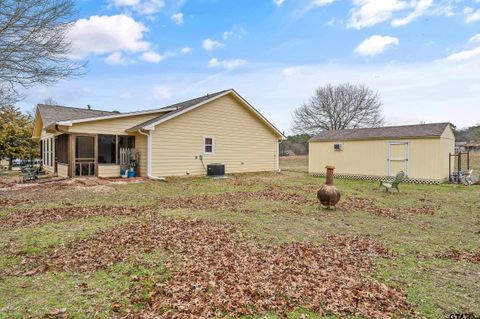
(405, 131)
(177, 108)
(189, 105)
(63, 115)
(52, 114)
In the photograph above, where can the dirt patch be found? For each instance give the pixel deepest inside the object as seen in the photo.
(231, 200)
(29, 217)
(472, 256)
(355, 204)
(220, 274)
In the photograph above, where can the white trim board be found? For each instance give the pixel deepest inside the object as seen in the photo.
(107, 117)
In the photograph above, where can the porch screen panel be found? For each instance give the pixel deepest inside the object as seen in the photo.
(107, 149)
(85, 147)
(61, 148)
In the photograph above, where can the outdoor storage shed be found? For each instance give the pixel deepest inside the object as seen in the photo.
(421, 151)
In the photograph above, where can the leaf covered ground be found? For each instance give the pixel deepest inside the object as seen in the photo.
(251, 246)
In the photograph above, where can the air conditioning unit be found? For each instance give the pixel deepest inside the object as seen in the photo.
(215, 170)
(338, 147)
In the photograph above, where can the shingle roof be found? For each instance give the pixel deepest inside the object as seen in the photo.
(405, 131)
(52, 114)
(179, 107)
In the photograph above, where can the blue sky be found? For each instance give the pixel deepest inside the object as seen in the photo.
(422, 56)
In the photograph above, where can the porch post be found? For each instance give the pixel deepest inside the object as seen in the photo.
(71, 155)
(95, 154)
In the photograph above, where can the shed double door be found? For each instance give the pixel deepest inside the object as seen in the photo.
(397, 158)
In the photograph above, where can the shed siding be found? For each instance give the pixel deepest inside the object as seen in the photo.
(426, 157)
(239, 137)
(447, 141)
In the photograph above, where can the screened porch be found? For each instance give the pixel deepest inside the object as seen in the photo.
(84, 155)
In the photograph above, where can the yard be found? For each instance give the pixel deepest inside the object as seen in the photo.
(251, 246)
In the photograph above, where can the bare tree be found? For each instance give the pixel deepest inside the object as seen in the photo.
(34, 46)
(50, 101)
(336, 107)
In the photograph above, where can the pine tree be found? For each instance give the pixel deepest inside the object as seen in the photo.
(16, 135)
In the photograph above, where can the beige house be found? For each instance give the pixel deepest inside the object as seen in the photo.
(176, 140)
(421, 151)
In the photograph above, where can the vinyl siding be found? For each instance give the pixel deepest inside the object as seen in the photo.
(428, 157)
(141, 147)
(241, 141)
(62, 170)
(108, 170)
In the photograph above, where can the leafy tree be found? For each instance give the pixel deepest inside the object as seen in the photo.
(34, 45)
(16, 135)
(468, 133)
(336, 107)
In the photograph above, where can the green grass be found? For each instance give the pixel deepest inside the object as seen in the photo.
(435, 287)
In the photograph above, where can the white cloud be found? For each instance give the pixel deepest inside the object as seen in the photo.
(116, 58)
(105, 34)
(186, 50)
(211, 44)
(471, 15)
(366, 13)
(162, 92)
(234, 32)
(177, 18)
(475, 38)
(319, 3)
(375, 44)
(464, 55)
(420, 8)
(290, 71)
(152, 57)
(312, 4)
(146, 7)
(278, 2)
(227, 64)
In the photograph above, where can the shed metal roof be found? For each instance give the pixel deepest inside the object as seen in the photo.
(387, 132)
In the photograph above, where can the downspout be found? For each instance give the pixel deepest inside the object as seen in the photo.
(277, 162)
(149, 155)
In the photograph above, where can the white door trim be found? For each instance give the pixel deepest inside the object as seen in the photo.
(406, 158)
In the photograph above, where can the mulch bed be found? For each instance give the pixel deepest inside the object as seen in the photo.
(220, 274)
(472, 256)
(29, 217)
(355, 204)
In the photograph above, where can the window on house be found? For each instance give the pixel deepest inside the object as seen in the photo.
(52, 145)
(208, 145)
(107, 149)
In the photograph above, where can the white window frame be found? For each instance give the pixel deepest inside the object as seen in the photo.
(205, 144)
